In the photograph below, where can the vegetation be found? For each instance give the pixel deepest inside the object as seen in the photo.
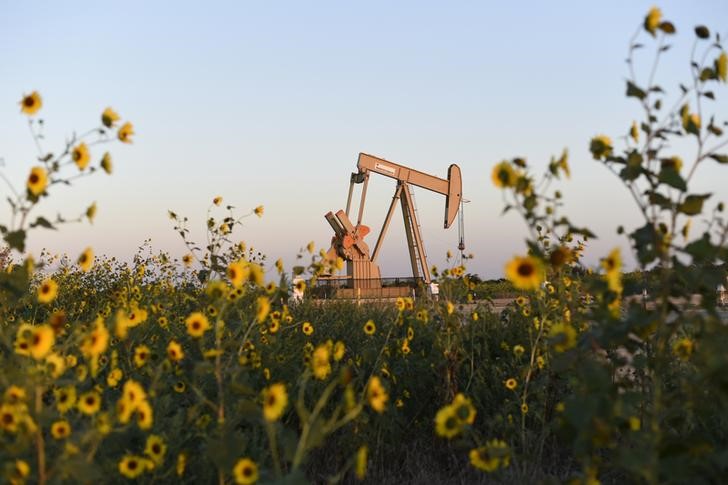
(202, 369)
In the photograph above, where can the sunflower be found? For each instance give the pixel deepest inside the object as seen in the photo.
(612, 264)
(107, 165)
(563, 337)
(245, 472)
(15, 394)
(504, 175)
(275, 400)
(179, 387)
(91, 212)
(320, 363)
(400, 304)
(300, 286)
(145, 415)
(131, 466)
(47, 291)
(263, 308)
(683, 348)
(495, 454)
(274, 326)
(307, 328)
(339, 350)
(125, 132)
(526, 273)
(652, 20)
(370, 327)
(405, 348)
(360, 467)
(60, 429)
(133, 394)
(37, 181)
(41, 341)
(141, 355)
(81, 156)
(86, 260)
(174, 351)
(259, 211)
(518, 350)
(31, 103)
(56, 364)
(675, 163)
(464, 409)
(97, 341)
(511, 383)
(9, 417)
(237, 273)
(181, 464)
(377, 395)
(447, 423)
(600, 147)
(89, 403)
(634, 132)
(65, 398)
(197, 324)
(109, 117)
(256, 276)
(155, 448)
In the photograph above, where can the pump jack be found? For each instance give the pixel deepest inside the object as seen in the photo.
(348, 241)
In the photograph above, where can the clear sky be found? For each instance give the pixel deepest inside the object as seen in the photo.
(270, 103)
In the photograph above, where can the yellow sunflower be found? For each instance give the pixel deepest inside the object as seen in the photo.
(504, 175)
(89, 403)
(511, 383)
(31, 103)
(97, 341)
(259, 211)
(155, 448)
(275, 400)
(263, 308)
(652, 20)
(377, 395)
(197, 324)
(131, 466)
(145, 415)
(307, 328)
(125, 132)
(37, 180)
(141, 355)
(320, 364)
(245, 472)
(47, 291)
(495, 454)
(447, 423)
(60, 429)
(41, 341)
(526, 273)
(81, 156)
(65, 398)
(464, 409)
(360, 468)
(175, 352)
(600, 147)
(86, 259)
(612, 264)
(109, 117)
(107, 164)
(370, 327)
(237, 273)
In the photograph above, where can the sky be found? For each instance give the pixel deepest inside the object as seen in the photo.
(271, 102)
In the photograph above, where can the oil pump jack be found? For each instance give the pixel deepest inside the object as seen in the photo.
(348, 240)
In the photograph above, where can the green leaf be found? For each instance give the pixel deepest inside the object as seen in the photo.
(693, 204)
(671, 177)
(634, 91)
(42, 222)
(707, 74)
(720, 158)
(16, 240)
(659, 200)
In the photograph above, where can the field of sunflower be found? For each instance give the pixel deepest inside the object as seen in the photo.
(203, 369)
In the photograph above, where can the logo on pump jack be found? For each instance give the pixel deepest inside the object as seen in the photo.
(384, 168)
